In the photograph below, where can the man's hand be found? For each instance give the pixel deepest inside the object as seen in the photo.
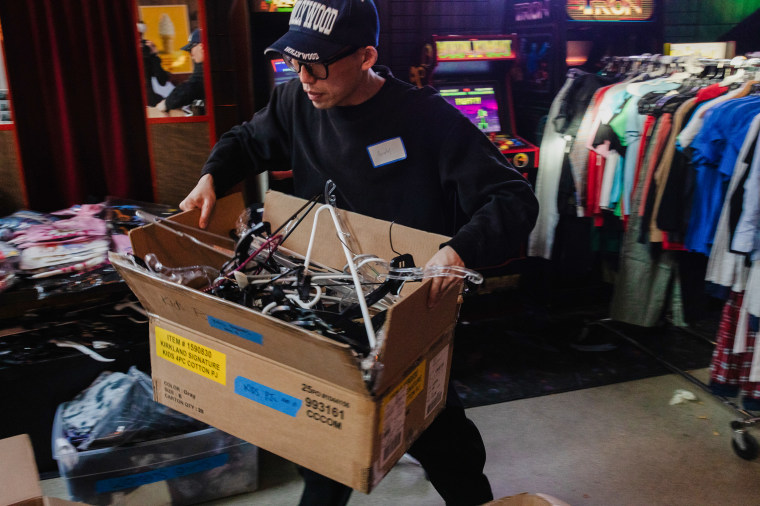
(444, 256)
(202, 197)
(161, 106)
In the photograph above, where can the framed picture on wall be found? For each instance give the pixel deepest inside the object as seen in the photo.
(168, 27)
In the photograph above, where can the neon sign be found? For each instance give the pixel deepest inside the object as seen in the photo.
(610, 10)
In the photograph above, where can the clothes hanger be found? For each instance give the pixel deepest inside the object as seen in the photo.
(736, 72)
(679, 73)
(657, 66)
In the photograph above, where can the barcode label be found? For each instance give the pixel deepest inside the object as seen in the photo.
(390, 446)
(432, 403)
(393, 426)
(436, 380)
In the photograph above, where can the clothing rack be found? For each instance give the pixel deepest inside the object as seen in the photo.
(739, 68)
(691, 64)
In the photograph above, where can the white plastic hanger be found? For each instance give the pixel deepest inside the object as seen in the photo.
(737, 76)
(352, 267)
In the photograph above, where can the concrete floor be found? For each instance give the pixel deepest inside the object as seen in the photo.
(621, 444)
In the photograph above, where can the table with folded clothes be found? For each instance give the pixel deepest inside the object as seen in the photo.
(65, 314)
(61, 257)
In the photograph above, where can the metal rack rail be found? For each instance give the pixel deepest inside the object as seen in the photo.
(742, 442)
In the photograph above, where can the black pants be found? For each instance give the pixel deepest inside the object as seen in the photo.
(450, 450)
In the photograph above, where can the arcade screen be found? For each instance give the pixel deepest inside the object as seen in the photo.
(281, 73)
(533, 69)
(477, 102)
(457, 49)
(273, 5)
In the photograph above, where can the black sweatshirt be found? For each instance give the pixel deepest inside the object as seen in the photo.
(449, 179)
(185, 93)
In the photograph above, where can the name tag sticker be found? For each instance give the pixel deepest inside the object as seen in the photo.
(386, 152)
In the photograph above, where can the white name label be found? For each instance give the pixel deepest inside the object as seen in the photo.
(387, 152)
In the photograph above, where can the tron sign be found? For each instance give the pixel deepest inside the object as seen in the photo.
(610, 10)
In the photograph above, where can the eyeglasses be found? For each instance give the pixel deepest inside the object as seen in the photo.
(317, 70)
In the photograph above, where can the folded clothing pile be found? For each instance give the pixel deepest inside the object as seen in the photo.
(71, 240)
(67, 251)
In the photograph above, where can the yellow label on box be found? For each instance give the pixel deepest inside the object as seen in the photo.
(192, 356)
(414, 383)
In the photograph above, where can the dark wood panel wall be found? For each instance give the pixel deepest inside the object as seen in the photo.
(179, 151)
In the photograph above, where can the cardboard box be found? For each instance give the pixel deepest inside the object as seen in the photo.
(287, 390)
(526, 499)
(19, 479)
(185, 469)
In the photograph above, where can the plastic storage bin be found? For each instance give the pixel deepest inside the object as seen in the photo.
(186, 469)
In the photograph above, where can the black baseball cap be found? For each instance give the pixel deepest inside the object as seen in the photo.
(193, 40)
(321, 29)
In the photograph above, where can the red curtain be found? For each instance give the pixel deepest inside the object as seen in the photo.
(76, 88)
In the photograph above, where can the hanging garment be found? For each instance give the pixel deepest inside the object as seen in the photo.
(751, 307)
(744, 202)
(646, 134)
(729, 370)
(664, 165)
(746, 237)
(675, 205)
(628, 125)
(553, 145)
(725, 268)
(695, 124)
(656, 147)
(603, 141)
(646, 280)
(613, 166)
(595, 179)
(716, 148)
(579, 154)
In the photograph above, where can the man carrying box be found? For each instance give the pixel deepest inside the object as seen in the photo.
(397, 153)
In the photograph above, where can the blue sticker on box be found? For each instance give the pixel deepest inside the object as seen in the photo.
(267, 396)
(235, 330)
(162, 474)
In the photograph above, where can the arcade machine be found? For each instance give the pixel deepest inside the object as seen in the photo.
(280, 73)
(472, 74)
(268, 21)
(556, 35)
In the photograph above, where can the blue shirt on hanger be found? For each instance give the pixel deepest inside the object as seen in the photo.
(716, 148)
